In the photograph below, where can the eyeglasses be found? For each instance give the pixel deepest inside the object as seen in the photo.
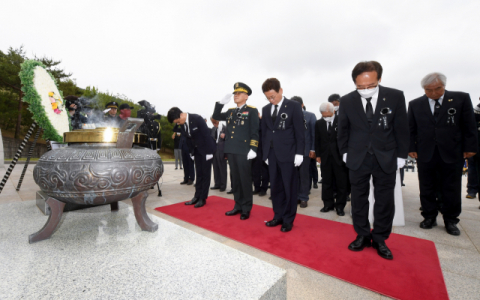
(272, 97)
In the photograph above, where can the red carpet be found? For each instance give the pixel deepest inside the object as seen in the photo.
(321, 245)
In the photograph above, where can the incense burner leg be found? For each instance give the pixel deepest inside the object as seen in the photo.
(114, 206)
(56, 212)
(141, 213)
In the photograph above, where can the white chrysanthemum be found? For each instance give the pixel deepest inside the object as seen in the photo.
(44, 84)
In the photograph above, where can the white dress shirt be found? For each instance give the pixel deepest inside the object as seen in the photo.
(432, 103)
(373, 101)
(278, 107)
(186, 126)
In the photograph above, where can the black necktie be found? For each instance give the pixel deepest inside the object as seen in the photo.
(436, 110)
(369, 111)
(216, 133)
(329, 128)
(274, 115)
(186, 130)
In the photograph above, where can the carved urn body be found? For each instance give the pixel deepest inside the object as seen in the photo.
(98, 167)
(97, 174)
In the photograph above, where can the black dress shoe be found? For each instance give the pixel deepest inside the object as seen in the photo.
(230, 191)
(286, 227)
(191, 202)
(340, 211)
(262, 193)
(359, 243)
(315, 185)
(382, 250)
(428, 223)
(303, 204)
(326, 209)
(255, 192)
(233, 212)
(222, 190)
(190, 182)
(184, 182)
(201, 203)
(270, 198)
(274, 223)
(452, 228)
(215, 188)
(245, 216)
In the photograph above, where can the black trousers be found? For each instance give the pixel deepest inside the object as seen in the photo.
(332, 173)
(260, 175)
(188, 166)
(384, 207)
(304, 183)
(450, 187)
(204, 174)
(313, 171)
(241, 170)
(283, 187)
(220, 170)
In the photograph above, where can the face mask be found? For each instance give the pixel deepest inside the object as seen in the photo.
(328, 119)
(367, 93)
(125, 113)
(336, 108)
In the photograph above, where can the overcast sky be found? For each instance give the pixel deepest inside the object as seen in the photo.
(190, 53)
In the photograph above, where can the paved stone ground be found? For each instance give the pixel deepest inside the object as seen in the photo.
(459, 256)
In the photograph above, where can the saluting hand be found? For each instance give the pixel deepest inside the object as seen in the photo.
(226, 99)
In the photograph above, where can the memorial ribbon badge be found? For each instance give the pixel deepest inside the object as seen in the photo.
(283, 118)
(384, 112)
(451, 116)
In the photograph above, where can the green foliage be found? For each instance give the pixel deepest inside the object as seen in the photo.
(167, 132)
(33, 98)
(69, 87)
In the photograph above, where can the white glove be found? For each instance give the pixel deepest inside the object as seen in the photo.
(251, 154)
(209, 156)
(266, 161)
(401, 162)
(298, 160)
(192, 157)
(345, 158)
(107, 110)
(226, 99)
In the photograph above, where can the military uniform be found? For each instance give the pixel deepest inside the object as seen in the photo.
(241, 136)
(113, 121)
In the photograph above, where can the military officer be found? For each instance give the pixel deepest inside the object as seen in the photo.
(111, 117)
(241, 144)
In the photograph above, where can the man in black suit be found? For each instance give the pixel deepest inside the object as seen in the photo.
(331, 163)
(443, 134)
(373, 139)
(201, 146)
(219, 161)
(188, 163)
(283, 137)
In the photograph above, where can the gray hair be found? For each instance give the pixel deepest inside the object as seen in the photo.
(432, 78)
(327, 106)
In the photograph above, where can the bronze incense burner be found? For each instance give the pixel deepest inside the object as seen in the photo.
(98, 167)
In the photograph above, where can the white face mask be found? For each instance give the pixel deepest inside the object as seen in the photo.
(336, 108)
(328, 119)
(367, 93)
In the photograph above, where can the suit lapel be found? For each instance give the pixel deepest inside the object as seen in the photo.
(357, 106)
(281, 109)
(426, 107)
(268, 117)
(445, 106)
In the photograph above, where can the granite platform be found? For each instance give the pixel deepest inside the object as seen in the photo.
(99, 254)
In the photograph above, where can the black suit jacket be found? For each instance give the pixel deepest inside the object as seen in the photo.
(326, 146)
(452, 140)
(199, 136)
(289, 141)
(354, 133)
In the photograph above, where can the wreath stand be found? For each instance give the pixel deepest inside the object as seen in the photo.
(19, 153)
